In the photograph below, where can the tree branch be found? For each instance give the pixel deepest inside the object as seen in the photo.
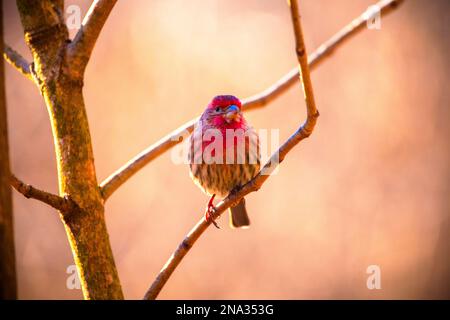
(8, 273)
(116, 179)
(17, 61)
(323, 51)
(53, 200)
(82, 45)
(45, 34)
(61, 84)
(311, 110)
(303, 132)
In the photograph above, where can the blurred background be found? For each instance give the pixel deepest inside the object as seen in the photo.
(370, 187)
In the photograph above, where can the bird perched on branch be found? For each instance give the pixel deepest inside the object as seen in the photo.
(224, 154)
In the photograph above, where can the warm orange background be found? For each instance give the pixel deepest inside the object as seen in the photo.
(371, 186)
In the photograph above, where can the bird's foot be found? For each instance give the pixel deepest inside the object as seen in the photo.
(210, 210)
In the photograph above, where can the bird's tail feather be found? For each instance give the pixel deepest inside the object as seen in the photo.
(238, 216)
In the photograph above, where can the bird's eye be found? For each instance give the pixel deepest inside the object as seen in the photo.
(218, 109)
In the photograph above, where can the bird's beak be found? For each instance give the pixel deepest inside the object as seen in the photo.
(232, 113)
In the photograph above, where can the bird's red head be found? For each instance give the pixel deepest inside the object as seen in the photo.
(224, 101)
(224, 112)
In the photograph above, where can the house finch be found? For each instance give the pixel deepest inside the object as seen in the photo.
(224, 154)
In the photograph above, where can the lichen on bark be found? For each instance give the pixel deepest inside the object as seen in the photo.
(61, 85)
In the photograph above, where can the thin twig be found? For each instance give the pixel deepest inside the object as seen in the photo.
(303, 132)
(312, 113)
(53, 200)
(116, 179)
(82, 45)
(17, 61)
(109, 185)
(323, 51)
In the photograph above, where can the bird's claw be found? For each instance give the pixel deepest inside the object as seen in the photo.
(210, 210)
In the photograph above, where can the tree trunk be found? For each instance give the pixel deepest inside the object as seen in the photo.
(8, 281)
(61, 86)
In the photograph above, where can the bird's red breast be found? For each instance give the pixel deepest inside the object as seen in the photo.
(236, 161)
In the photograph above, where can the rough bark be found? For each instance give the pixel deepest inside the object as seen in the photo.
(61, 86)
(8, 278)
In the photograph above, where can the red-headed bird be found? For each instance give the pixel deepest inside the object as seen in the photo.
(224, 154)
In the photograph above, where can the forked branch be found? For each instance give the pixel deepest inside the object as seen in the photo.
(323, 51)
(303, 132)
(53, 200)
(82, 45)
(116, 179)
